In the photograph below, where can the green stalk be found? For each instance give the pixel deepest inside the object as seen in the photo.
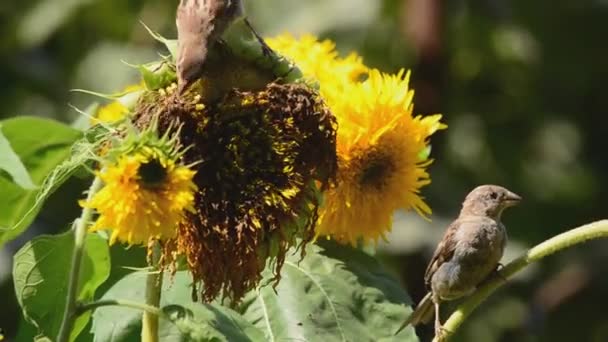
(154, 283)
(591, 231)
(80, 233)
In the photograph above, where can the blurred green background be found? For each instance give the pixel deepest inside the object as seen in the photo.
(520, 83)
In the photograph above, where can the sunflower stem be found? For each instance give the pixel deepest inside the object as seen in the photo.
(591, 231)
(154, 283)
(80, 233)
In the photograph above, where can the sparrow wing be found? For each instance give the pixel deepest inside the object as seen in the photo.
(444, 252)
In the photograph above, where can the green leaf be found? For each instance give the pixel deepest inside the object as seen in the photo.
(41, 271)
(157, 75)
(10, 162)
(25, 331)
(244, 43)
(124, 261)
(171, 44)
(188, 321)
(336, 293)
(41, 145)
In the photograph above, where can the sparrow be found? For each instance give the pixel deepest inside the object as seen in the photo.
(468, 253)
(200, 24)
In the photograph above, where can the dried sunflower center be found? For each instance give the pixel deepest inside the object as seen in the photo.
(376, 169)
(152, 173)
(265, 156)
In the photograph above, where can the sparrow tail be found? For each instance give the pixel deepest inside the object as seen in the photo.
(422, 314)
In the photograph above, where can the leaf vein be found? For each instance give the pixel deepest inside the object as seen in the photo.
(266, 317)
(331, 303)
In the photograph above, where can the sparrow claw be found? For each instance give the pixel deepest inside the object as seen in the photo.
(498, 274)
(441, 334)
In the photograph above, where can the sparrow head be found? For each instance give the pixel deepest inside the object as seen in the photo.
(200, 24)
(489, 200)
(190, 65)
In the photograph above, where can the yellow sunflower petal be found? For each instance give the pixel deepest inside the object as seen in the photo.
(117, 109)
(319, 60)
(111, 112)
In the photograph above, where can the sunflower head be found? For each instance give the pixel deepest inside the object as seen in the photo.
(146, 191)
(264, 156)
(381, 157)
(382, 147)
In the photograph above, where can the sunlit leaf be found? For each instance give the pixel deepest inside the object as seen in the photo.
(10, 162)
(336, 293)
(41, 271)
(188, 321)
(41, 145)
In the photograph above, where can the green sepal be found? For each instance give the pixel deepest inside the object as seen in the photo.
(157, 75)
(171, 44)
(245, 44)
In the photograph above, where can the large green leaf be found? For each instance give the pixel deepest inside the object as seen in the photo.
(10, 162)
(41, 271)
(189, 321)
(41, 145)
(336, 293)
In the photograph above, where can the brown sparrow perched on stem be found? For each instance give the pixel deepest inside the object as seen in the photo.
(468, 253)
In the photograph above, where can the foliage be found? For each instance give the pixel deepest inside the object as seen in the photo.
(337, 292)
(41, 279)
(328, 291)
(36, 155)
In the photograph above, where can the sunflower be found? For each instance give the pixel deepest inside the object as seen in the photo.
(382, 158)
(145, 196)
(382, 147)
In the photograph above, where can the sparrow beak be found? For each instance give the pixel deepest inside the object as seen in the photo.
(512, 199)
(182, 87)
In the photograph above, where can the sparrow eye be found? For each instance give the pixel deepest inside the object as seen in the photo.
(493, 195)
